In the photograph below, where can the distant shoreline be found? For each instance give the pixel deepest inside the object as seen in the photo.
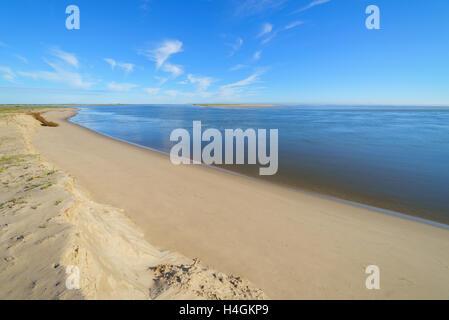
(228, 106)
(48, 105)
(237, 106)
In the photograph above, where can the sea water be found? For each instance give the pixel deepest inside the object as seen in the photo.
(395, 158)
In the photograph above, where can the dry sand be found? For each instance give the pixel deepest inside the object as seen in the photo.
(290, 244)
(47, 223)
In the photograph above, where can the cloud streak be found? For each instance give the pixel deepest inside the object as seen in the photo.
(253, 7)
(59, 75)
(266, 28)
(127, 67)
(235, 89)
(121, 87)
(175, 70)
(273, 34)
(311, 5)
(145, 5)
(235, 46)
(238, 67)
(163, 52)
(293, 25)
(152, 91)
(21, 58)
(245, 82)
(202, 83)
(69, 58)
(8, 74)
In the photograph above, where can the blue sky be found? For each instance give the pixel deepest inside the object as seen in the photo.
(225, 51)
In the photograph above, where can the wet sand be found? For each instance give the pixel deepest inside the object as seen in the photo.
(291, 244)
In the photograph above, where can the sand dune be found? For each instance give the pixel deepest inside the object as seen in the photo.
(47, 223)
(290, 244)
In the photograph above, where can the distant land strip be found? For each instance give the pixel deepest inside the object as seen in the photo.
(237, 106)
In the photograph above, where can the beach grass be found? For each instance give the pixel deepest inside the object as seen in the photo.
(24, 109)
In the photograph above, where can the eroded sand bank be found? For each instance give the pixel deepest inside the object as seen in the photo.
(47, 223)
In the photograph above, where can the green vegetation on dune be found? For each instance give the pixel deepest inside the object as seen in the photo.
(23, 108)
(33, 111)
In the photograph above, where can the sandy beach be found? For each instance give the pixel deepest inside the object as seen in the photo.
(289, 244)
(49, 226)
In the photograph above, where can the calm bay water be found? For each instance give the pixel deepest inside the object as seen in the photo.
(395, 158)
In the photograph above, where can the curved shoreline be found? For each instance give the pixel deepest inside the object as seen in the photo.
(53, 226)
(290, 244)
(324, 196)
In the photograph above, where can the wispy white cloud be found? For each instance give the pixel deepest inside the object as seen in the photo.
(2, 44)
(311, 5)
(145, 5)
(268, 39)
(202, 83)
(60, 70)
(238, 67)
(257, 55)
(161, 80)
(253, 7)
(127, 67)
(172, 93)
(266, 28)
(112, 62)
(121, 87)
(293, 25)
(267, 32)
(235, 46)
(69, 58)
(152, 91)
(175, 70)
(8, 74)
(233, 90)
(272, 34)
(58, 75)
(163, 52)
(245, 82)
(21, 58)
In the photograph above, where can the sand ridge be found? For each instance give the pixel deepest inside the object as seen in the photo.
(48, 223)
